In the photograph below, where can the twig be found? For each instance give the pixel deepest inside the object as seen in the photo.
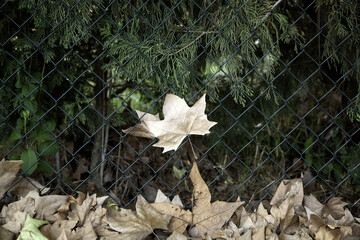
(105, 138)
(58, 166)
(270, 11)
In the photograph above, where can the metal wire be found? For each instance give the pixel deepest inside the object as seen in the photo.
(78, 109)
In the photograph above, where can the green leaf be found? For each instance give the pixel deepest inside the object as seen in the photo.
(31, 231)
(31, 105)
(27, 89)
(45, 167)
(25, 113)
(40, 133)
(18, 83)
(29, 158)
(14, 136)
(37, 76)
(50, 124)
(19, 126)
(178, 173)
(15, 157)
(48, 147)
(118, 104)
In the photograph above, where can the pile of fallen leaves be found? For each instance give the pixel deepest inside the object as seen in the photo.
(290, 215)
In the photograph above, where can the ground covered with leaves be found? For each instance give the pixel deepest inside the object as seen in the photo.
(290, 215)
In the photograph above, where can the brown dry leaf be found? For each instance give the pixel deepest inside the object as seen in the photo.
(81, 207)
(58, 228)
(335, 208)
(355, 235)
(79, 218)
(39, 207)
(261, 211)
(346, 220)
(8, 171)
(328, 234)
(24, 186)
(311, 203)
(14, 215)
(177, 236)
(139, 224)
(207, 217)
(316, 223)
(286, 189)
(45, 206)
(286, 200)
(6, 234)
(180, 120)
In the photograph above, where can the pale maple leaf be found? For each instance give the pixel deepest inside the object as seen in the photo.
(136, 225)
(206, 216)
(179, 121)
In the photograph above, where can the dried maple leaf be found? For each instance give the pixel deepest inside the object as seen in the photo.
(136, 225)
(180, 120)
(335, 208)
(207, 217)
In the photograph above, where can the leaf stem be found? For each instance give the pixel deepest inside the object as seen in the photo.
(192, 148)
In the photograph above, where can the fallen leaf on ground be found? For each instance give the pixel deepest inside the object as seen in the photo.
(8, 171)
(26, 185)
(31, 231)
(335, 208)
(180, 120)
(79, 218)
(139, 224)
(206, 216)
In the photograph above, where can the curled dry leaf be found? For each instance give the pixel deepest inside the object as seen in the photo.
(8, 171)
(180, 120)
(206, 216)
(312, 204)
(139, 224)
(26, 185)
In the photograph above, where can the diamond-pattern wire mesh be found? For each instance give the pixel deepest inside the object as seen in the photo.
(280, 82)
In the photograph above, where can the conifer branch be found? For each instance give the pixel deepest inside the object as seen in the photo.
(270, 11)
(191, 43)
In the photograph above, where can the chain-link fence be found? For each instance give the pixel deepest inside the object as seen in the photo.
(281, 78)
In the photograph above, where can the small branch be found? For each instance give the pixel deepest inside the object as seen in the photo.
(191, 43)
(58, 167)
(269, 13)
